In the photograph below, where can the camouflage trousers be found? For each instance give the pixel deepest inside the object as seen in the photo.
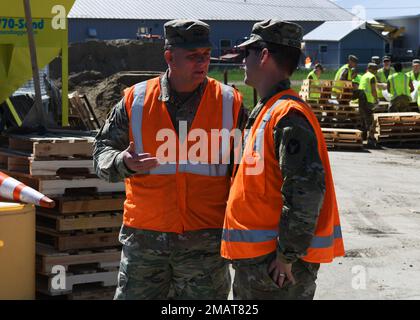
(366, 114)
(253, 282)
(164, 265)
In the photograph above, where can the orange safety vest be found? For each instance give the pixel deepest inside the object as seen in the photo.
(180, 195)
(255, 201)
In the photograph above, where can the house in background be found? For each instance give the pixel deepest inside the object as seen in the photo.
(333, 41)
(230, 20)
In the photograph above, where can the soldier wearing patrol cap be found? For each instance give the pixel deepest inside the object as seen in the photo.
(376, 60)
(282, 204)
(175, 204)
(414, 74)
(345, 72)
(315, 75)
(383, 74)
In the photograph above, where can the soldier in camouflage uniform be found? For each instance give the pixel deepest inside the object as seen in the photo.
(281, 274)
(155, 264)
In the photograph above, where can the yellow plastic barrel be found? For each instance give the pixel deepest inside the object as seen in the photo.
(17, 251)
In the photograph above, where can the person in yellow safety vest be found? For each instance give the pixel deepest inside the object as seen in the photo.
(400, 86)
(315, 75)
(367, 98)
(414, 74)
(345, 73)
(356, 84)
(418, 95)
(383, 74)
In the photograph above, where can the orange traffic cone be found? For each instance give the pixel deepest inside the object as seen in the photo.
(13, 189)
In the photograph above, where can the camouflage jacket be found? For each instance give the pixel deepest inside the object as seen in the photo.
(303, 186)
(113, 137)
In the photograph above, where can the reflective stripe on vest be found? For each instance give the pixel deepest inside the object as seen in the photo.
(216, 170)
(259, 141)
(254, 236)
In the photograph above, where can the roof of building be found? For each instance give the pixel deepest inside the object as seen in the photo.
(335, 30)
(239, 10)
(414, 16)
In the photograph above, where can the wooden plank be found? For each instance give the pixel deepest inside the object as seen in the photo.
(39, 146)
(72, 205)
(80, 221)
(45, 283)
(60, 187)
(50, 167)
(57, 187)
(55, 167)
(48, 257)
(82, 292)
(399, 134)
(106, 293)
(65, 242)
(355, 131)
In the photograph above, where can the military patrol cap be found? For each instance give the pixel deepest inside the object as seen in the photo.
(372, 65)
(386, 58)
(416, 61)
(275, 31)
(353, 58)
(187, 34)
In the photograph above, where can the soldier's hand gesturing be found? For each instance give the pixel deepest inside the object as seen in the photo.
(138, 162)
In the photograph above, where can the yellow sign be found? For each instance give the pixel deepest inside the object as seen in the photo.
(49, 23)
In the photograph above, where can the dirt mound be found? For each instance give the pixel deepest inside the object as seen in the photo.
(112, 56)
(105, 93)
(103, 69)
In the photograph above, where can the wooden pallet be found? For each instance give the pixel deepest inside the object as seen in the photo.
(403, 127)
(330, 123)
(343, 138)
(52, 186)
(306, 96)
(86, 221)
(55, 143)
(80, 107)
(70, 205)
(77, 240)
(24, 162)
(83, 292)
(341, 91)
(344, 146)
(47, 257)
(45, 284)
(342, 133)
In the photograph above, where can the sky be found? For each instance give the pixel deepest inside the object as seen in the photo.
(373, 9)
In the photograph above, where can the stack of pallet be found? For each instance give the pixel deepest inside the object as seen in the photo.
(78, 252)
(333, 108)
(335, 111)
(396, 128)
(343, 138)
